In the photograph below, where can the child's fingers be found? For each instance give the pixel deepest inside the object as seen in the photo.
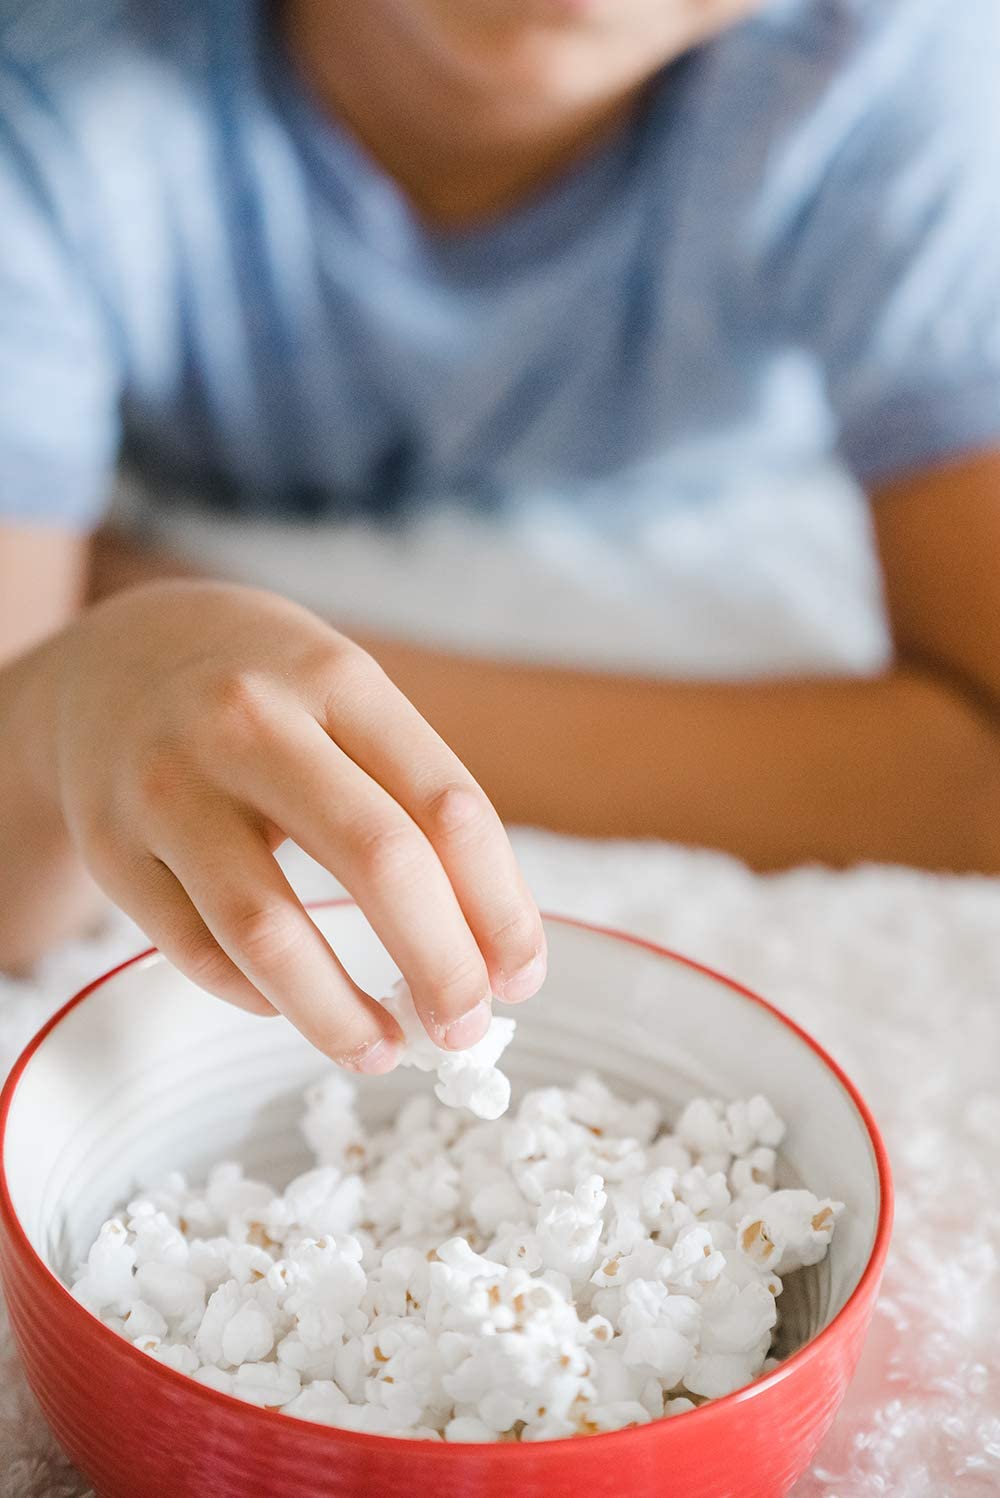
(157, 902)
(248, 906)
(382, 731)
(301, 781)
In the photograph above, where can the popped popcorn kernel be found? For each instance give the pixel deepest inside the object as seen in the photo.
(466, 1079)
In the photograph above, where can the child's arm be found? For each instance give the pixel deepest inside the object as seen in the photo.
(901, 768)
(172, 737)
(43, 571)
(45, 894)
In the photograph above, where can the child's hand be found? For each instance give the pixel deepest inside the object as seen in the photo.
(198, 725)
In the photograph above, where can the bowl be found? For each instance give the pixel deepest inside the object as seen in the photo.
(142, 1073)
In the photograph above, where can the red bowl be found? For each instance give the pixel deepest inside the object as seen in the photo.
(140, 1073)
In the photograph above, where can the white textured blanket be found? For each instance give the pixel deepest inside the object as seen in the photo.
(898, 974)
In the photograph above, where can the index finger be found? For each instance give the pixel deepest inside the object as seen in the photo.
(369, 719)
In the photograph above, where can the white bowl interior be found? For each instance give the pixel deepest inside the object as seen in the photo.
(148, 1075)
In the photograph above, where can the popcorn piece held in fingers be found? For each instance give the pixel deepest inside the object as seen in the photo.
(465, 1079)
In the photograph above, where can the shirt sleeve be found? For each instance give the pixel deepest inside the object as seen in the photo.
(59, 369)
(891, 272)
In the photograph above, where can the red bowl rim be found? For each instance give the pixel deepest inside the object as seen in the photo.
(715, 1409)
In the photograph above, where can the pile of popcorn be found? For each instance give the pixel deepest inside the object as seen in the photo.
(572, 1268)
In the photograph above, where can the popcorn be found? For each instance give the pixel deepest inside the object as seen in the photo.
(755, 1169)
(331, 1126)
(594, 1105)
(619, 1416)
(210, 1260)
(735, 1318)
(466, 1079)
(468, 1428)
(214, 1378)
(248, 1336)
(222, 1306)
(495, 1202)
(702, 1128)
(570, 1269)
(552, 1428)
(155, 1238)
(660, 1330)
(176, 1355)
(269, 1385)
(788, 1230)
(693, 1261)
(106, 1284)
(427, 1207)
(704, 1195)
(236, 1203)
(143, 1321)
(716, 1374)
(321, 1401)
(321, 1201)
(568, 1228)
(661, 1351)
(612, 1378)
(518, 1250)
(349, 1369)
(176, 1293)
(651, 1398)
(326, 1283)
(315, 1364)
(499, 1410)
(717, 1131)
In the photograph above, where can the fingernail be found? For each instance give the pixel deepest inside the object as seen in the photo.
(468, 1028)
(377, 1058)
(525, 983)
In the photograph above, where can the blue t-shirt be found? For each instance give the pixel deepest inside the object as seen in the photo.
(791, 250)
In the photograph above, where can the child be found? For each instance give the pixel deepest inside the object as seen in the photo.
(329, 260)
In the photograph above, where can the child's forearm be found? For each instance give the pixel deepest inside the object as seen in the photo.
(45, 894)
(903, 768)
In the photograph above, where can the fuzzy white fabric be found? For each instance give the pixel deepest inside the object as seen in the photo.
(898, 973)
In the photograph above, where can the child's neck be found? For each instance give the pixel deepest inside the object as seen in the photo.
(467, 126)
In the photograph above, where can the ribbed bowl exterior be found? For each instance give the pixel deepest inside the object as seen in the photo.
(137, 1429)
